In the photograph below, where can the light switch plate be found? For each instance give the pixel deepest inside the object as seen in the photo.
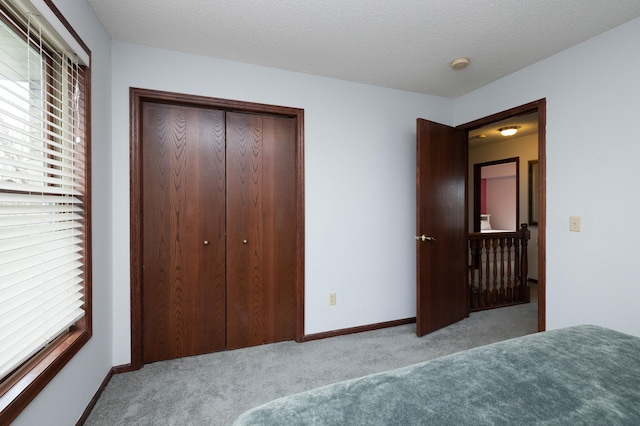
(575, 223)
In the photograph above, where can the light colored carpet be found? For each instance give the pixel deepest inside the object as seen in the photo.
(214, 389)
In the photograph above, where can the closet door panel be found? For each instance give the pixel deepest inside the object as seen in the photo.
(279, 218)
(245, 262)
(183, 289)
(260, 229)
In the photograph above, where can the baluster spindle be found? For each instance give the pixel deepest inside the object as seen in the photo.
(487, 278)
(494, 287)
(510, 250)
(502, 295)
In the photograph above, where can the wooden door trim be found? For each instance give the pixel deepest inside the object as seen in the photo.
(539, 106)
(137, 97)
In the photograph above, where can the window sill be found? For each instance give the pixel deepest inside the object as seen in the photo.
(22, 387)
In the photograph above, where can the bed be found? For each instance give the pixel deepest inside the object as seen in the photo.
(486, 227)
(577, 375)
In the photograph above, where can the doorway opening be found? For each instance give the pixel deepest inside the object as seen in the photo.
(530, 121)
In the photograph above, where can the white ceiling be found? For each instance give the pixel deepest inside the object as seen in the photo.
(402, 44)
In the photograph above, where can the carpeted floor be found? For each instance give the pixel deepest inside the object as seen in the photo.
(214, 389)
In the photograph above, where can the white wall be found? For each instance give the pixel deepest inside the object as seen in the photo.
(64, 400)
(592, 93)
(359, 180)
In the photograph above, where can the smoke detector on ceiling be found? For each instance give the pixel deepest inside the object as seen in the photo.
(459, 63)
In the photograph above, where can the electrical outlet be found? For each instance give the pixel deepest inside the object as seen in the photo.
(332, 298)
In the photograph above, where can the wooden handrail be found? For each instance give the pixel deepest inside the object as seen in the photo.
(522, 233)
(499, 268)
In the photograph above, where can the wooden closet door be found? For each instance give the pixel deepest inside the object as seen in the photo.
(261, 221)
(183, 285)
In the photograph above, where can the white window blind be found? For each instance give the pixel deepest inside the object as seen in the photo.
(42, 188)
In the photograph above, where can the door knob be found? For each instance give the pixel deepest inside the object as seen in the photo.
(244, 241)
(424, 238)
(206, 243)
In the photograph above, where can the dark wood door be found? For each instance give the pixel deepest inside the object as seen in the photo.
(442, 156)
(183, 296)
(261, 213)
(219, 234)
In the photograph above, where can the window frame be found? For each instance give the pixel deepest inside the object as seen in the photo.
(22, 386)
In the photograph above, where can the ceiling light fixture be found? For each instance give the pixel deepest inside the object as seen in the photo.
(508, 131)
(459, 64)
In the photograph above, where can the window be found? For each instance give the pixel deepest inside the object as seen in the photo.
(45, 314)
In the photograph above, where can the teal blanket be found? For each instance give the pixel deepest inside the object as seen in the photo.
(580, 375)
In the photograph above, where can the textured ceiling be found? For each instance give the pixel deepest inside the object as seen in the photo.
(402, 44)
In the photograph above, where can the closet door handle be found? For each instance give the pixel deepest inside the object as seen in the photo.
(424, 238)
(206, 243)
(244, 241)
